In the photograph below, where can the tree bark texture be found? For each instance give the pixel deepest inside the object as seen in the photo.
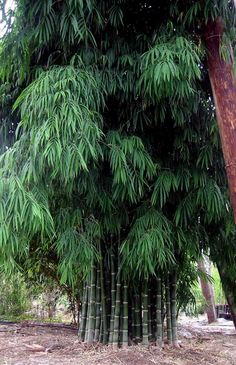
(223, 84)
(228, 280)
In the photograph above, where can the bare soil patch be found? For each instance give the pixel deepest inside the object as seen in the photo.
(26, 344)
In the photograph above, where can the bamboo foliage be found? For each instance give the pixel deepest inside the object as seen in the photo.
(110, 168)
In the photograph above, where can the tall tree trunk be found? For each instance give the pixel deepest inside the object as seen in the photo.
(223, 85)
(208, 292)
(229, 286)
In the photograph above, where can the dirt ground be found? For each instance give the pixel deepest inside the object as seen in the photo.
(26, 344)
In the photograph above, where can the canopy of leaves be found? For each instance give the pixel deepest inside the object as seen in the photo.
(114, 132)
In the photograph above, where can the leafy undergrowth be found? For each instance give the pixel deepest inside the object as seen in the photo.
(28, 317)
(28, 344)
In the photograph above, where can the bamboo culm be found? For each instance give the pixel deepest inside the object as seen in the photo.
(92, 308)
(98, 306)
(103, 303)
(137, 313)
(173, 309)
(117, 310)
(113, 298)
(159, 334)
(137, 317)
(145, 313)
(168, 312)
(125, 316)
(82, 327)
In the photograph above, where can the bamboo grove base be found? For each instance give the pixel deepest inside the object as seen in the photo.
(121, 313)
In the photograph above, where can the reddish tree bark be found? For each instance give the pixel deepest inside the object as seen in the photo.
(223, 85)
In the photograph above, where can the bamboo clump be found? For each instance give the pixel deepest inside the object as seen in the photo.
(118, 312)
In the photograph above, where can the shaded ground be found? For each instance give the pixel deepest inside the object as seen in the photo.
(25, 345)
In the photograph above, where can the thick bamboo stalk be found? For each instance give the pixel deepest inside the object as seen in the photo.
(173, 280)
(159, 334)
(82, 327)
(101, 331)
(88, 309)
(223, 84)
(92, 302)
(163, 309)
(132, 334)
(137, 317)
(145, 313)
(103, 303)
(113, 298)
(117, 310)
(153, 311)
(149, 314)
(125, 316)
(98, 306)
(107, 283)
(168, 313)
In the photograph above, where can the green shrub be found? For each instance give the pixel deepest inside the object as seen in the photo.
(14, 296)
